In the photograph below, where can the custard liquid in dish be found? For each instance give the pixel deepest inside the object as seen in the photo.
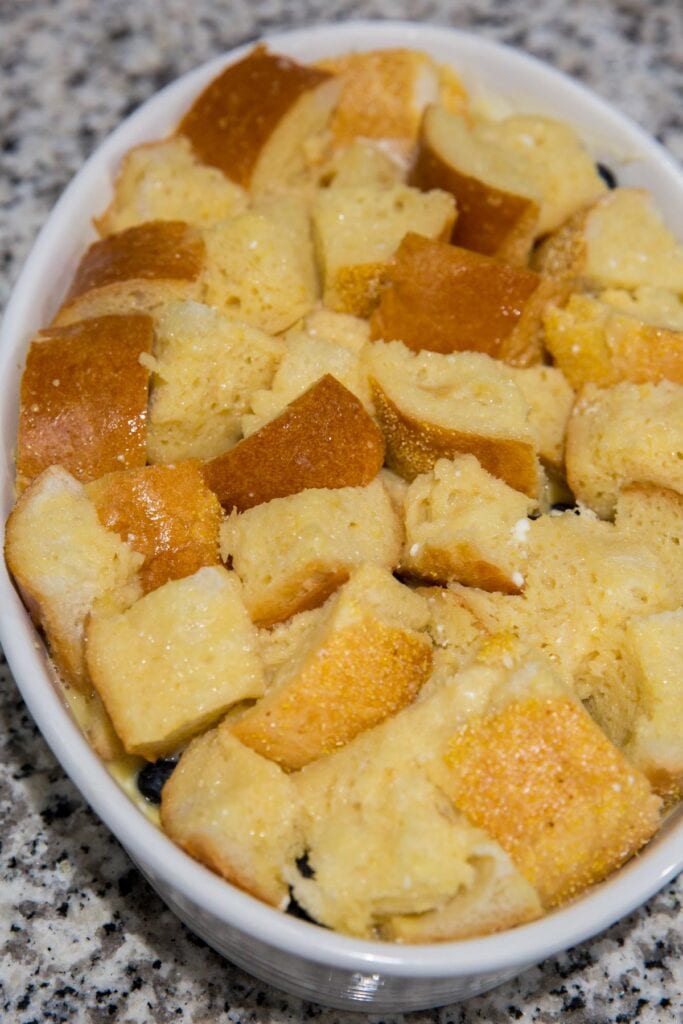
(383, 685)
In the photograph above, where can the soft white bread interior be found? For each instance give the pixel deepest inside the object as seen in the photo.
(550, 398)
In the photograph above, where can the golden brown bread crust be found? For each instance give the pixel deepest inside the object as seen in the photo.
(414, 446)
(324, 438)
(167, 513)
(489, 221)
(446, 299)
(84, 398)
(231, 121)
(465, 565)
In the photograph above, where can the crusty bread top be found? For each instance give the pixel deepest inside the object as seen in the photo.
(231, 121)
(84, 398)
(156, 251)
(324, 438)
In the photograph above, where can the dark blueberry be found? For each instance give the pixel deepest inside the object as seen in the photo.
(152, 777)
(607, 175)
(304, 867)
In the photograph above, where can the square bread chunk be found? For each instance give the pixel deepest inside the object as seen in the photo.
(629, 433)
(205, 368)
(366, 659)
(433, 406)
(447, 299)
(236, 812)
(174, 662)
(363, 163)
(136, 270)
(167, 513)
(657, 742)
(165, 181)
(654, 516)
(358, 230)
(253, 119)
(591, 341)
(292, 553)
(550, 398)
(497, 199)
(456, 633)
(534, 771)
(464, 524)
(83, 402)
(324, 438)
(63, 559)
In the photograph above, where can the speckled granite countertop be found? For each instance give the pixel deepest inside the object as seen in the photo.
(83, 937)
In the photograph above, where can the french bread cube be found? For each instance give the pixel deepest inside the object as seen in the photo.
(165, 181)
(358, 230)
(136, 271)
(362, 164)
(254, 119)
(456, 633)
(624, 434)
(445, 298)
(464, 524)
(620, 241)
(205, 367)
(498, 201)
(433, 406)
(656, 745)
(658, 306)
(592, 341)
(292, 553)
(550, 398)
(63, 560)
(367, 658)
(173, 663)
(260, 265)
(234, 811)
(654, 516)
(351, 332)
(279, 643)
(83, 401)
(166, 513)
(324, 438)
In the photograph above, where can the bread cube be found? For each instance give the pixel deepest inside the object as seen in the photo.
(253, 119)
(63, 560)
(205, 368)
(657, 306)
(464, 524)
(620, 241)
(234, 811)
(448, 299)
(497, 199)
(83, 402)
(174, 662)
(292, 553)
(367, 659)
(165, 181)
(351, 332)
(456, 633)
(324, 438)
(624, 434)
(362, 164)
(136, 271)
(358, 230)
(654, 516)
(260, 265)
(537, 774)
(433, 406)
(657, 742)
(591, 341)
(550, 398)
(167, 513)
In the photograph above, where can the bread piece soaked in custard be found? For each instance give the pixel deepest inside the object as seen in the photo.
(324, 438)
(358, 230)
(591, 341)
(165, 181)
(464, 524)
(292, 553)
(205, 368)
(653, 516)
(83, 402)
(660, 307)
(63, 560)
(456, 633)
(445, 298)
(174, 662)
(167, 513)
(433, 406)
(367, 658)
(236, 812)
(629, 433)
(550, 398)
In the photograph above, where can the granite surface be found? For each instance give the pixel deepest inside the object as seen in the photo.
(82, 936)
